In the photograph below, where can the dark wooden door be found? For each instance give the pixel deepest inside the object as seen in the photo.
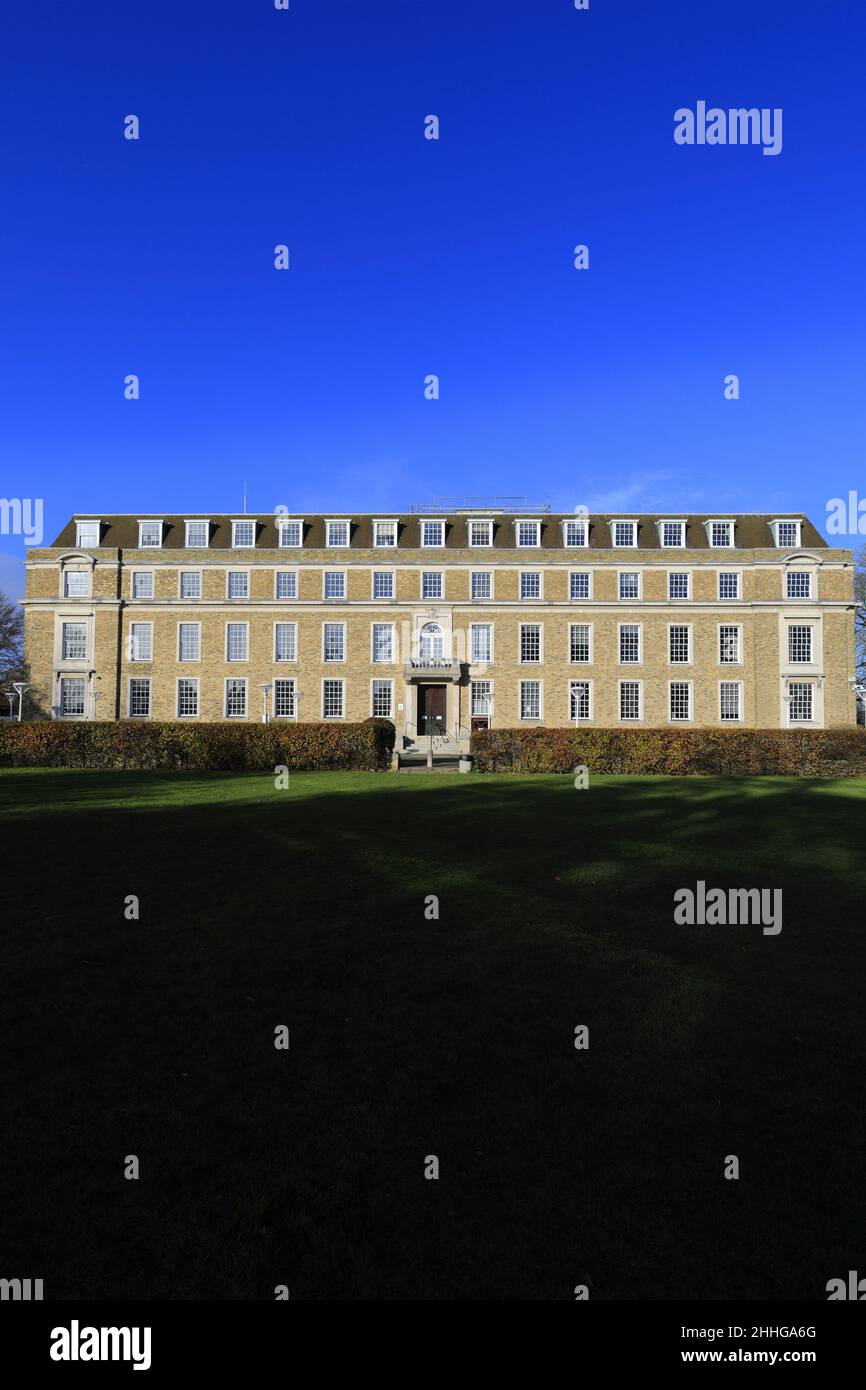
(431, 709)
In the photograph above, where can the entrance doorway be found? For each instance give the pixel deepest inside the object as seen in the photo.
(431, 709)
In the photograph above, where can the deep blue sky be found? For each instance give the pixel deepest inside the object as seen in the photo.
(410, 256)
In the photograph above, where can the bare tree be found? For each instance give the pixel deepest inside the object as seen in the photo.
(11, 640)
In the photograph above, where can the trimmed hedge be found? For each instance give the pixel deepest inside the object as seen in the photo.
(128, 746)
(674, 752)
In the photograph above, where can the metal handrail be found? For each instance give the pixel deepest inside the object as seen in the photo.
(442, 506)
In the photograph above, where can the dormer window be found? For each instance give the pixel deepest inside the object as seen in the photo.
(337, 534)
(197, 535)
(672, 534)
(291, 534)
(87, 534)
(575, 534)
(720, 534)
(528, 534)
(624, 534)
(243, 535)
(149, 535)
(786, 534)
(384, 534)
(480, 533)
(432, 533)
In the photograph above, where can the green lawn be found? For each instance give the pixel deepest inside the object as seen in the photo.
(412, 1037)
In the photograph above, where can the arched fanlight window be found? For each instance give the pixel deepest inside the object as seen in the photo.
(432, 641)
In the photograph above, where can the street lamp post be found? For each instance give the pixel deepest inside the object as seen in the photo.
(10, 696)
(21, 688)
(265, 688)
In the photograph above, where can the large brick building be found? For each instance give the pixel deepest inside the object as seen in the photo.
(444, 619)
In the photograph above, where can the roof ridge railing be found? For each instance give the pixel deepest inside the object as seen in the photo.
(443, 506)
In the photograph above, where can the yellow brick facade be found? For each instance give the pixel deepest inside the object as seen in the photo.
(92, 677)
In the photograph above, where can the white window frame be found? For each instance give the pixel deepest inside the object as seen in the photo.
(775, 527)
(285, 521)
(571, 597)
(189, 660)
(150, 545)
(530, 718)
(196, 521)
(521, 660)
(286, 680)
(680, 574)
(333, 660)
(381, 681)
(589, 659)
(141, 598)
(689, 661)
(623, 521)
(490, 575)
(243, 521)
(671, 521)
(388, 574)
(479, 521)
(736, 574)
(629, 719)
(237, 680)
(330, 598)
(432, 545)
(739, 688)
(480, 660)
(189, 680)
(381, 661)
(619, 630)
(738, 628)
(88, 545)
(285, 660)
(86, 575)
(567, 523)
(808, 574)
(639, 596)
(811, 684)
(140, 680)
(189, 574)
(74, 622)
(688, 718)
(789, 630)
(384, 528)
(432, 598)
(283, 598)
(721, 521)
(341, 682)
(67, 680)
(527, 545)
(237, 598)
(573, 682)
(237, 660)
(481, 714)
(535, 598)
(133, 651)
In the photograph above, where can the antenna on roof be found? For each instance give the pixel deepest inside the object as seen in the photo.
(245, 499)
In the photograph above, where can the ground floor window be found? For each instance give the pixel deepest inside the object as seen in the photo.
(332, 699)
(284, 699)
(530, 699)
(72, 697)
(629, 700)
(382, 701)
(800, 701)
(187, 697)
(729, 700)
(139, 698)
(236, 698)
(579, 704)
(681, 700)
